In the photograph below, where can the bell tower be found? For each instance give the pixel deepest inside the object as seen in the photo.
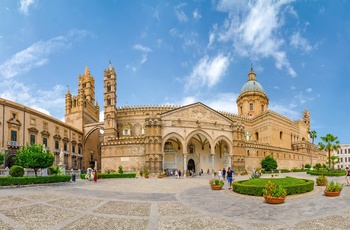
(110, 103)
(82, 108)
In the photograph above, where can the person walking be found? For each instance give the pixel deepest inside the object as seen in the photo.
(229, 177)
(219, 174)
(347, 176)
(223, 173)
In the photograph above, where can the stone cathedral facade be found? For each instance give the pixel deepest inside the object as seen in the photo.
(191, 137)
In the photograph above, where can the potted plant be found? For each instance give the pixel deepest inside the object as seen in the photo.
(160, 175)
(321, 180)
(216, 184)
(146, 172)
(214, 173)
(141, 173)
(274, 194)
(333, 189)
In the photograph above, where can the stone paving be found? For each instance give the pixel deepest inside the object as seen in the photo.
(166, 203)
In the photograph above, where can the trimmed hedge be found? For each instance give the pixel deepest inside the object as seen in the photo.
(255, 190)
(327, 173)
(8, 181)
(111, 175)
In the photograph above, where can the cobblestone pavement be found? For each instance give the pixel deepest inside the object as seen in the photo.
(166, 203)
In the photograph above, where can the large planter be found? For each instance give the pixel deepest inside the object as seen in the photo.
(216, 187)
(146, 176)
(321, 184)
(332, 193)
(274, 200)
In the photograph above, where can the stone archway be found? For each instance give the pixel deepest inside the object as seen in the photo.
(191, 165)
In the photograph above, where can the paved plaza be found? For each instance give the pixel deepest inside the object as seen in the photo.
(166, 203)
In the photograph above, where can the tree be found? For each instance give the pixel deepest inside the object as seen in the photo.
(329, 143)
(34, 157)
(2, 158)
(269, 163)
(313, 135)
(334, 160)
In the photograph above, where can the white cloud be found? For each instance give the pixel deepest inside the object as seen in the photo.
(33, 98)
(37, 54)
(254, 29)
(285, 110)
(309, 90)
(208, 71)
(142, 48)
(180, 15)
(25, 5)
(221, 102)
(196, 15)
(300, 43)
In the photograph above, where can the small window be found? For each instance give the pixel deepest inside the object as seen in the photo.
(65, 146)
(32, 121)
(65, 132)
(251, 106)
(281, 135)
(126, 129)
(73, 148)
(57, 145)
(45, 141)
(57, 129)
(84, 85)
(32, 139)
(45, 125)
(109, 88)
(262, 108)
(13, 135)
(14, 115)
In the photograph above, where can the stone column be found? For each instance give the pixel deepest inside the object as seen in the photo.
(213, 162)
(185, 165)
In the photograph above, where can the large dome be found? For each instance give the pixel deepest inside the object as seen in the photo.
(252, 85)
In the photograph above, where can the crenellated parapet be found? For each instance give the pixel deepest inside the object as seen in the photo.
(147, 108)
(125, 140)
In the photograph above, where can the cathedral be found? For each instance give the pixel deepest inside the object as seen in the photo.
(191, 137)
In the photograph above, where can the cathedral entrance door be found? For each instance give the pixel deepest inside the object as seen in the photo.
(191, 165)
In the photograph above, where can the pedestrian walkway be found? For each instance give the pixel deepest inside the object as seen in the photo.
(166, 203)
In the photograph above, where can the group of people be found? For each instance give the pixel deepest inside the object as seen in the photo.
(229, 174)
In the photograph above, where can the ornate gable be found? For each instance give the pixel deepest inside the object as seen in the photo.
(197, 112)
(33, 130)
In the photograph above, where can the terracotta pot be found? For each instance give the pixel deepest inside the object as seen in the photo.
(274, 200)
(321, 184)
(146, 176)
(216, 187)
(160, 176)
(332, 193)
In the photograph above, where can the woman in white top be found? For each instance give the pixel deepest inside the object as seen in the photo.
(219, 175)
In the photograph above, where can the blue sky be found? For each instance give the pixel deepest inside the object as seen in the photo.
(181, 52)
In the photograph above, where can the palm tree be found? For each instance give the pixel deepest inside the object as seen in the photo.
(313, 135)
(334, 160)
(330, 143)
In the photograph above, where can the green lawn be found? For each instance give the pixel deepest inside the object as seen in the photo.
(288, 181)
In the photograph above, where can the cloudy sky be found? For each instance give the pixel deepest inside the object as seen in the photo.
(181, 52)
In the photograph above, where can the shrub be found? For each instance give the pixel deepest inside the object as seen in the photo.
(16, 171)
(307, 166)
(321, 179)
(9, 181)
(333, 187)
(254, 187)
(55, 170)
(120, 169)
(111, 175)
(216, 182)
(274, 190)
(269, 163)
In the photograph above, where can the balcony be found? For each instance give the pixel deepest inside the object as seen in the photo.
(15, 144)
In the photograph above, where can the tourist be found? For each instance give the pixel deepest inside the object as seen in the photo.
(347, 176)
(180, 173)
(229, 177)
(176, 174)
(201, 171)
(223, 173)
(208, 172)
(219, 174)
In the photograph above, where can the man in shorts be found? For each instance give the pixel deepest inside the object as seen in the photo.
(229, 177)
